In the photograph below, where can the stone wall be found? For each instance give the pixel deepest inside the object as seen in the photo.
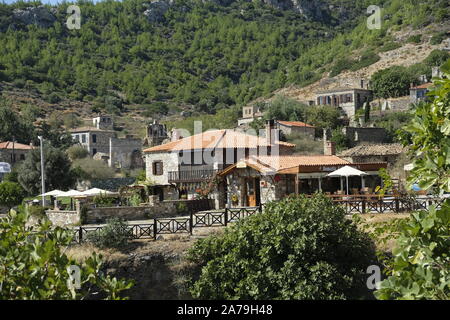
(63, 218)
(357, 135)
(154, 209)
(125, 153)
(170, 163)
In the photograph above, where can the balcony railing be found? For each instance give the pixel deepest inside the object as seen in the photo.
(191, 175)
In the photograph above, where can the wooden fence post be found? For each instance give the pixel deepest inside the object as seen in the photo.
(154, 229)
(191, 222)
(363, 206)
(226, 217)
(397, 205)
(80, 234)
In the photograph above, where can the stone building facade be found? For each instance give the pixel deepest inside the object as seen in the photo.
(348, 100)
(102, 144)
(359, 135)
(13, 152)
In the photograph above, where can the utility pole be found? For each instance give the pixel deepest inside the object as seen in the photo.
(42, 170)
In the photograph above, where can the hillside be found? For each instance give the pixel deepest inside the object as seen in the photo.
(138, 59)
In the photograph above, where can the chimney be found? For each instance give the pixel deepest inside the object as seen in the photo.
(329, 148)
(270, 131)
(175, 135)
(362, 83)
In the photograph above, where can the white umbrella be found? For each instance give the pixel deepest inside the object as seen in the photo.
(95, 192)
(346, 172)
(71, 193)
(54, 193)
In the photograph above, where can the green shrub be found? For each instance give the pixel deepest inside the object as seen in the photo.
(298, 248)
(35, 266)
(103, 200)
(437, 38)
(36, 211)
(11, 194)
(392, 82)
(367, 58)
(115, 234)
(77, 152)
(415, 39)
(341, 65)
(420, 269)
(181, 208)
(389, 46)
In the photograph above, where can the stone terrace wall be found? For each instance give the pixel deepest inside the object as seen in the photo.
(63, 218)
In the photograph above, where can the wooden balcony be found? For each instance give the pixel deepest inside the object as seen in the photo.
(191, 175)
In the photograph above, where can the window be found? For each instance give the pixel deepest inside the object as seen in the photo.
(83, 138)
(94, 151)
(157, 168)
(76, 137)
(22, 157)
(94, 138)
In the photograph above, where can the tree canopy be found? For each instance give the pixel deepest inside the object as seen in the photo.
(298, 248)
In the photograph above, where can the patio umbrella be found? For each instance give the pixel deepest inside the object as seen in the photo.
(70, 193)
(53, 193)
(96, 192)
(346, 172)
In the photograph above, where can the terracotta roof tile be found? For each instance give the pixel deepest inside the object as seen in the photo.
(17, 146)
(215, 139)
(374, 150)
(295, 124)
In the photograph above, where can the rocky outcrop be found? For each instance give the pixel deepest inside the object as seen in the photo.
(40, 16)
(156, 10)
(309, 9)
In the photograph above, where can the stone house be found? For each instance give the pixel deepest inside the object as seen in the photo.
(260, 179)
(250, 113)
(366, 153)
(102, 143)
(184, 167)
(296, 127)
(12, 152)
(419, 93)
(364, 135)
(349, 100)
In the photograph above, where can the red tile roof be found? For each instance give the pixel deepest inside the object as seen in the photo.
(295, 124)
(216, 139)
(267, 164)
(17, 146)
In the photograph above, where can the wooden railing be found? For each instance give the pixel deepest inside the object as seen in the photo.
(216, 218)
(191, 175)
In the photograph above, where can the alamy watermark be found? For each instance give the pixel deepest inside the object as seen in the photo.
(74, 280)
(374, 20)
(373, 281)
(74, 20)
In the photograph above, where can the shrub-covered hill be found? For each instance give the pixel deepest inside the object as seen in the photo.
(207, 54)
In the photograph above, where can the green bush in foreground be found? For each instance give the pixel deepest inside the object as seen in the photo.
(298, 248)
(421, 266)
(114, 234)
(33, 264)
